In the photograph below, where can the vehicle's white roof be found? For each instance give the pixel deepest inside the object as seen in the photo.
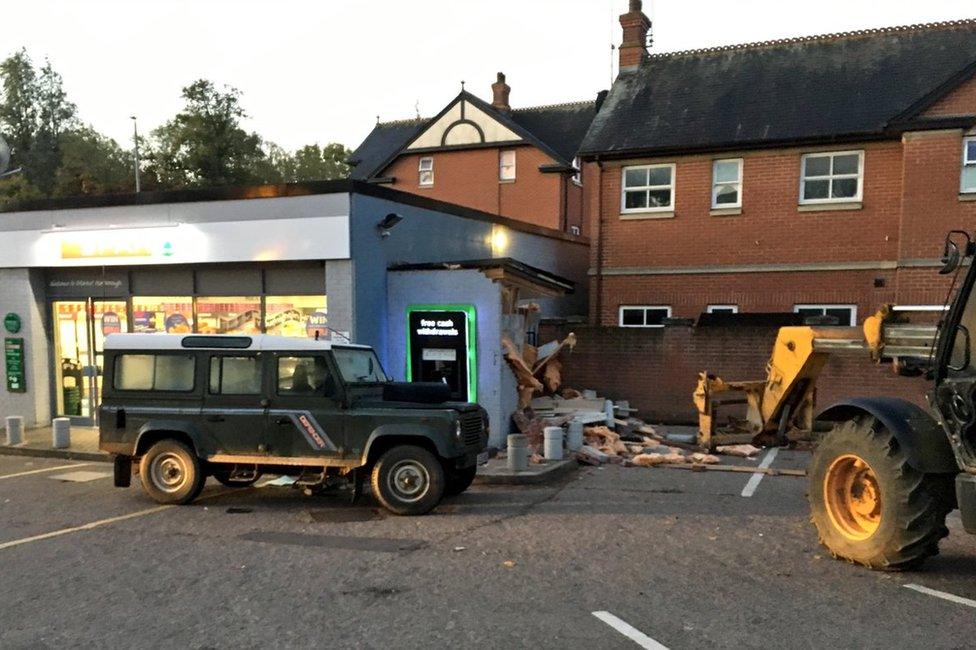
(175, 342)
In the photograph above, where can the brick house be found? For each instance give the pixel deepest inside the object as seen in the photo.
(518, 163)
(815, 175)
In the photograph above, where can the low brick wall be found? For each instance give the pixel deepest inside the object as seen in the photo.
(656, 369)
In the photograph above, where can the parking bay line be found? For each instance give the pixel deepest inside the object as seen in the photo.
(754, 480)
(44, 469)
(103, 522)
(941, 594)
(629, 631)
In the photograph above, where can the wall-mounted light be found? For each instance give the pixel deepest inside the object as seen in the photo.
(499, 241)
(387, 224)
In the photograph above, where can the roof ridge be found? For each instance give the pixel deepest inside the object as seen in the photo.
(581, 102)
(408, 120)
(833, 36)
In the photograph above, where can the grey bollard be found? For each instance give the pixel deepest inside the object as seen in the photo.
(15, 430)
(574, 436)
(553, 445)
(518, 452)
(608, 410)
(60, 433)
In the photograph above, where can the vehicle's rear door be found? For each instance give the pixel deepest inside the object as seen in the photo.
(305, 417)
(234, 404)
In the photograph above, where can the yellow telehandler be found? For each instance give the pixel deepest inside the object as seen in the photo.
(885, 472)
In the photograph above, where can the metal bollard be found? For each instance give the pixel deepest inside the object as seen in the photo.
(15, 430)
(518, 452)
(553, 445)
(61, 433)
(608, 410)
(574, 436)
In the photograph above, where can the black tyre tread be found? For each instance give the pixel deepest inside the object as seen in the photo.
(919, 502)
(196, 486)
(434, 468)
(459, 480)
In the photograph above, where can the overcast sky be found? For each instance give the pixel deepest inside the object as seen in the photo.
(321, 71)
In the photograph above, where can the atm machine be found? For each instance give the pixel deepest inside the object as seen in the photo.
(441, 347)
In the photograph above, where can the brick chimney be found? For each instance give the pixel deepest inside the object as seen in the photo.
(500, 91)
(636, 25)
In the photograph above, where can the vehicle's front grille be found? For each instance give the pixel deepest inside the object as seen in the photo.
(471, 428)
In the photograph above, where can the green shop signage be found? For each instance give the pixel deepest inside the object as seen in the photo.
(11, 322)
(13, 355)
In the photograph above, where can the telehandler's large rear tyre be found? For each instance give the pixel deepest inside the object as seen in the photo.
(869, 505)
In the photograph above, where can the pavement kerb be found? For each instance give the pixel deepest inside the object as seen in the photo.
(548, 473)
(67, 454)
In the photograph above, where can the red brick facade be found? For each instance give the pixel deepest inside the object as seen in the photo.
(470, 177)
(775, 253)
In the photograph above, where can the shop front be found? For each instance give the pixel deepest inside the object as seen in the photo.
(86, 305)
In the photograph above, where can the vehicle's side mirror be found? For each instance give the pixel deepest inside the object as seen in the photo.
(964, 349)
(951, 256)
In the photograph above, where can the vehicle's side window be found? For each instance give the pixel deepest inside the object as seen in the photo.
(235, 375)
(305, 376)
(166, 372)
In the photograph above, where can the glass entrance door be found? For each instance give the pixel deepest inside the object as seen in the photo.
(80, 328)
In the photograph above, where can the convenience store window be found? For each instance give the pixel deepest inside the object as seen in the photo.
(300, 316)
(229, 315)
(162, 314)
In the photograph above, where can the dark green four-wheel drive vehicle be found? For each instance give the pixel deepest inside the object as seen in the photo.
(179, 408)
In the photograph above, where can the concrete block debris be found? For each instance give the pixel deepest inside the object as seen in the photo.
(743, 451)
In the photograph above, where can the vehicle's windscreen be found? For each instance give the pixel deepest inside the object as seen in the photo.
(359, 366)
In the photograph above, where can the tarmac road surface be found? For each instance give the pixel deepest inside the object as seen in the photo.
(610, 557)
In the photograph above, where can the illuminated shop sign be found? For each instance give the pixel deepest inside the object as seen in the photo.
(441, 347)
(109, 245)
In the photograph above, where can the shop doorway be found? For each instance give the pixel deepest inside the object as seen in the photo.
(80, 328)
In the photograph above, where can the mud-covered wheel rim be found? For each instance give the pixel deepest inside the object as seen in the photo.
(853, 497)
(168, 472)
(408, 481)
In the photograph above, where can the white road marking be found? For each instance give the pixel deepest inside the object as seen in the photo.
(75, 529)
(102, 522)
(754, 480)
(968, 602)
(82, 476)
(45, 469)
(629, 631)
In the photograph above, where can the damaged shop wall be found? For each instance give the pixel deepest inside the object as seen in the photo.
(656, 369)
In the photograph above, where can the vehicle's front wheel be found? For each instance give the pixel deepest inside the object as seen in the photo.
(869, 505)
(459, 480)
(408, 480)
(171, 473)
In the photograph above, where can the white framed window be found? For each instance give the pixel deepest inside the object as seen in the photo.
(845, 314)
(647, 188)
(968, 179)
(727, 183)
(426, 171)
(577, 176)
(832, 177)
(722, 309)
(644, 315)
(506, 165)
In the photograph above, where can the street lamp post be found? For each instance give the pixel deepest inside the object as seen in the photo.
(135, 142)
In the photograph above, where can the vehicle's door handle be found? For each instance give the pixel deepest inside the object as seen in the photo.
(215, 418)
(282, 421)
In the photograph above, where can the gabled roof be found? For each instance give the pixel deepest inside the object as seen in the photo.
(557, 130)
(830, 87)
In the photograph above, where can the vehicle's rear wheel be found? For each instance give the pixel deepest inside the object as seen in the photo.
(223, 476)
(869, 505)
(459, 480)
(171, 473)
(408, 480)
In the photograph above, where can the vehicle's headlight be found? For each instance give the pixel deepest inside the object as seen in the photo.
(457, 430)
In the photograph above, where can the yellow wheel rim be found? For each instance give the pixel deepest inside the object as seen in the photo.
(853, 497)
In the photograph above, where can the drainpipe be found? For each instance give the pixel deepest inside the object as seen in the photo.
(599, 243)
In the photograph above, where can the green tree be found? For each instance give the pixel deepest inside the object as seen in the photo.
(315, 163)
(92, 164)
(204, 144)
(34, 113)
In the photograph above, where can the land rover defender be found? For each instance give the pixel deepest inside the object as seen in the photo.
(179, 408)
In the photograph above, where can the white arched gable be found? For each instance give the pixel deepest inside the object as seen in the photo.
(463, 124)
